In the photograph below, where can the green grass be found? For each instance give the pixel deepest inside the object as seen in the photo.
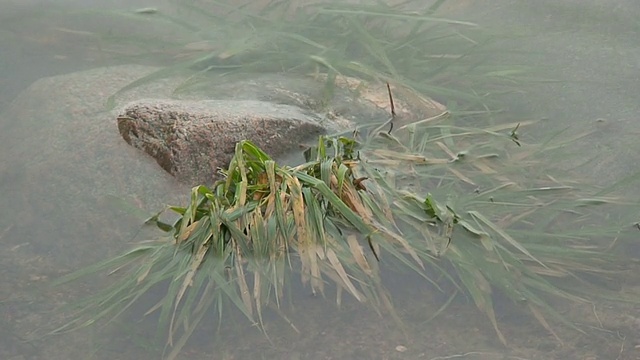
(420, 53)
(458, 198)
(445, 201)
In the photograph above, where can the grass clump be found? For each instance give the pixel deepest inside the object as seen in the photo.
(433, 198)
(468, 205)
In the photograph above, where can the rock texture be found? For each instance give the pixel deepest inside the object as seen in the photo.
(192, 139)
(351, 101)
(71, 180)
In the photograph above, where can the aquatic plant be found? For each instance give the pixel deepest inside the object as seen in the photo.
(445, 201)
(422, 54)
(465, 203)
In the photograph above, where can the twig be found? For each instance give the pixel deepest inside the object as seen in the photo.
(393, 108)
(373, 250)
(393, 116)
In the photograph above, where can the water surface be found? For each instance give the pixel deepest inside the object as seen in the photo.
(586, 51)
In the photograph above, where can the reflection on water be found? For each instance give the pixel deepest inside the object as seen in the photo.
(589, 45)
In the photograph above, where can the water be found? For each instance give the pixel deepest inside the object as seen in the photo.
(588, 49)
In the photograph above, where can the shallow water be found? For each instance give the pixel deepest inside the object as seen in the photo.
(588, 50)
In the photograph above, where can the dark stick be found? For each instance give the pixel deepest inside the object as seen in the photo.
(393, 108)
(372, 248)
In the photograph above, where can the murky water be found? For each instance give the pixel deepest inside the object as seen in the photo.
(587, 53)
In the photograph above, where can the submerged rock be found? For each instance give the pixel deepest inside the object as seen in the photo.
(346, 101)
(192, 139)
(71, 179)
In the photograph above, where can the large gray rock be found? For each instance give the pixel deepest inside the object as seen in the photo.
(68, 174)
(349, 101)
(70, 178)
(192, 139)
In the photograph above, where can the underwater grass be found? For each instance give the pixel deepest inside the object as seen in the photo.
(456, 205)
(466, 205)
(420, 53)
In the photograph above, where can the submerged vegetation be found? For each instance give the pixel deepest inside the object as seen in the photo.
(450, 203)
(465, 203)
(420, 53)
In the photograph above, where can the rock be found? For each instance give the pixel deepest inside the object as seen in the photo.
(71, 180)
(192, 139)
(350, 101)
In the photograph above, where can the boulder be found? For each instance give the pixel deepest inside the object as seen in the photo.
(73, 184)
(68, 174)
(348, 102)
(192, 139)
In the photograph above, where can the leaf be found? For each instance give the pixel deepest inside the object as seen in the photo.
(505, 236)
(358, 255)
(245, 295)
(337, 266)
(198, 259)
